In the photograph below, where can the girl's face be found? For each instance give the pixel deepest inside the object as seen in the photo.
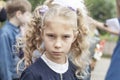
(58, 37)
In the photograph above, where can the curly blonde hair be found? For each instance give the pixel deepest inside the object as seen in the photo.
(79, 50)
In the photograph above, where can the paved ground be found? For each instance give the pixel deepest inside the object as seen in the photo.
(100, 69)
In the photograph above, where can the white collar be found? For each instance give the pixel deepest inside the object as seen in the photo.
(58, 68)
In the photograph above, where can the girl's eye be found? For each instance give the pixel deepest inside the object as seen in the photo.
(66, 36)
(50, 35)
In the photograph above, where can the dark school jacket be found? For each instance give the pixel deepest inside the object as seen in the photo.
(40, 71)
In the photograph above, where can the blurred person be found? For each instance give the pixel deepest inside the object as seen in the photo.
(17, 13)
(112, 27)
(3, 14)
(20, 40)
(94, 39)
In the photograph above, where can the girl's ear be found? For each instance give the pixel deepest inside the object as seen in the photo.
(75, 36)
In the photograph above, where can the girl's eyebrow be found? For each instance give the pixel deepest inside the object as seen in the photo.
(55, 34)
(66, 34)
(49, 33)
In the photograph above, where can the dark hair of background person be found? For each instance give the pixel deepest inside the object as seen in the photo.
(3, 15)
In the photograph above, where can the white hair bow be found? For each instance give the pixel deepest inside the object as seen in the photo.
(74, 4)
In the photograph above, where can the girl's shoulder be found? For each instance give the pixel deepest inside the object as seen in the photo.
(71, 65)
(27, 74)
(38, 65)
(33, 71)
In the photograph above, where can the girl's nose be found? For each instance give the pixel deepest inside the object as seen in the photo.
(58, 44)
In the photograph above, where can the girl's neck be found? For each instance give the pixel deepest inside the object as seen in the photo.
(59, 68)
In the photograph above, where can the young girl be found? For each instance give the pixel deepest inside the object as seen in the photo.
(58, 33)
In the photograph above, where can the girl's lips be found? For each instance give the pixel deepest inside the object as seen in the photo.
(57, 52)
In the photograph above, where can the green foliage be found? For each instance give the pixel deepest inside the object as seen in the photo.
(101, 10)
(36, 3)
(109, 37)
